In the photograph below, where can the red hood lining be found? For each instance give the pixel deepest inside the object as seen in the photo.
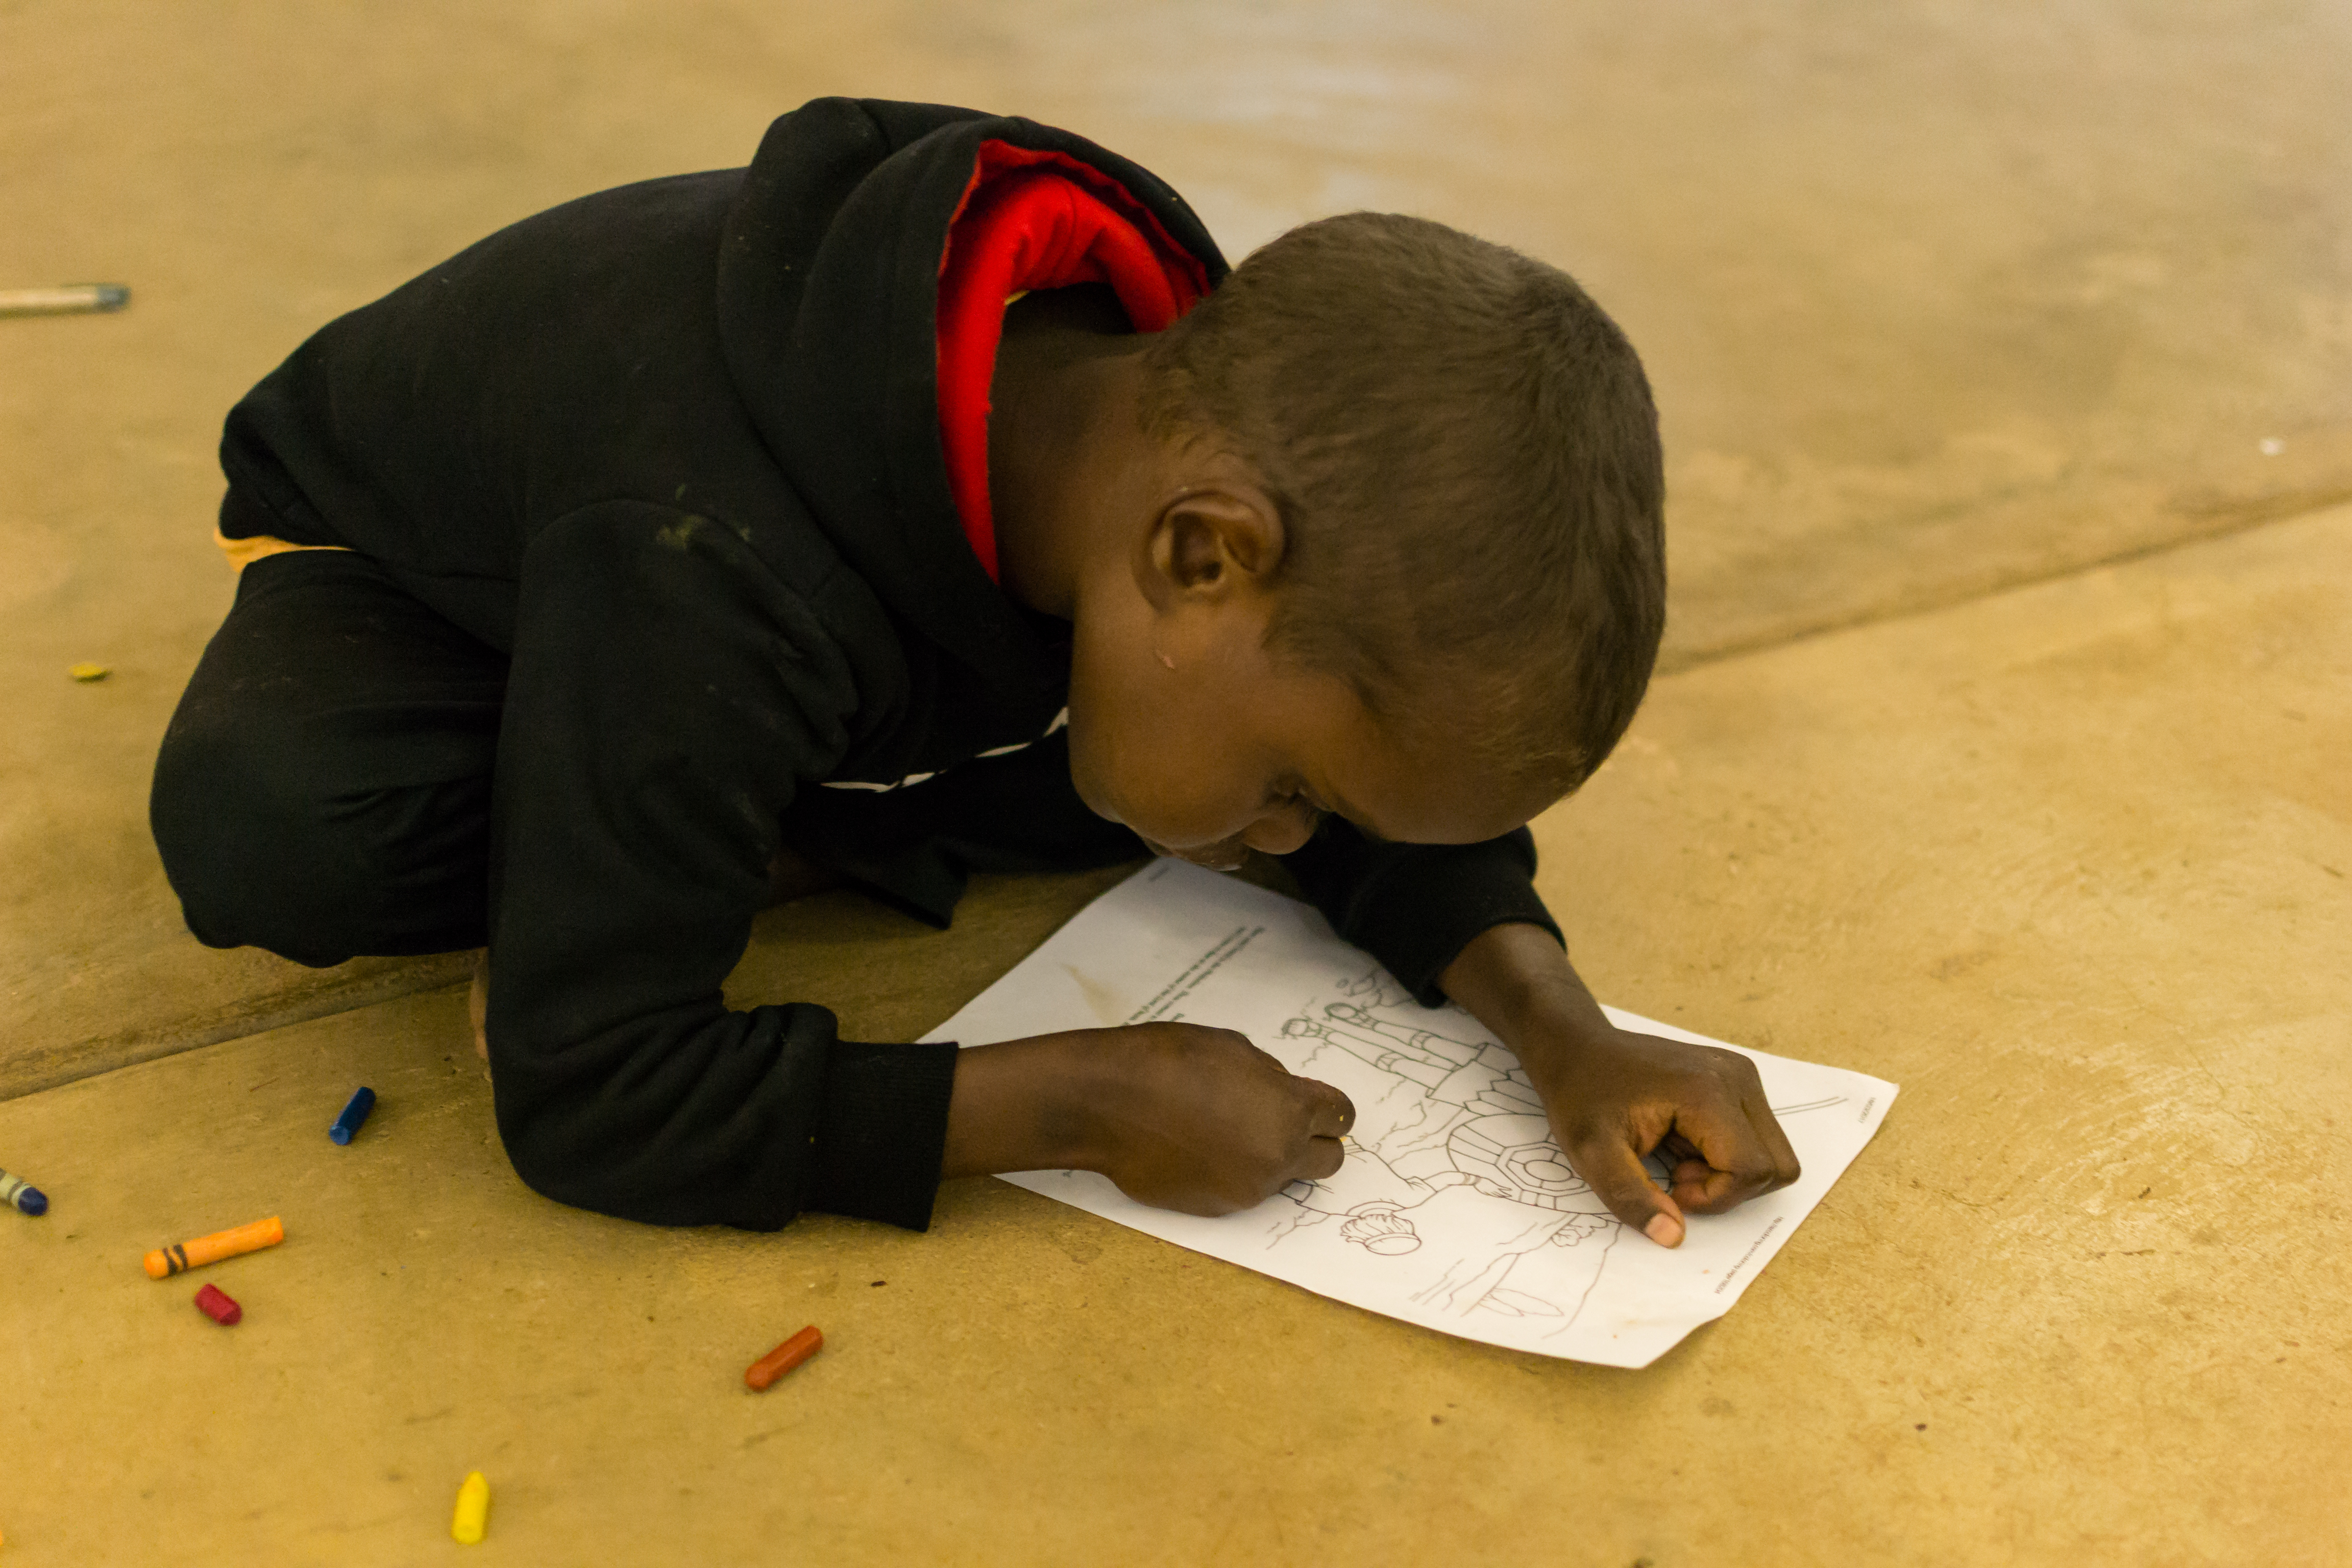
(1032, 219)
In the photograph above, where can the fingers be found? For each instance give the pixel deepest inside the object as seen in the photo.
(1612, 1167)
(1324, 1158)
(1731, 1150)
(1785, 1166)
(1330, 1113)
(1230, 1125)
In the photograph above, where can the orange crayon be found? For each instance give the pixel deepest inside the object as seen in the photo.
(783, 1358)
(164, 1262)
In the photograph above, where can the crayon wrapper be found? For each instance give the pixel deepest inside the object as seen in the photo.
(164, 1262)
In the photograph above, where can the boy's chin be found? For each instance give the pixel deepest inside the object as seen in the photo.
(1228, 855)
(1090, 793)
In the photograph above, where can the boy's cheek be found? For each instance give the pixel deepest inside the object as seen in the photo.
(1089, 776)
(1146, 779)
(1111, 766)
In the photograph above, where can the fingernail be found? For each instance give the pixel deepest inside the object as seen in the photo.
(1663, 1230)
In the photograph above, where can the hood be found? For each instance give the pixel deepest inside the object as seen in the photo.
(828, 311)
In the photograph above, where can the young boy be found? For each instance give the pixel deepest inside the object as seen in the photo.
(927, 497)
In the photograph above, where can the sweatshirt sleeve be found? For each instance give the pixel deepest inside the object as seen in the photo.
(1415, 907)
(668, 697)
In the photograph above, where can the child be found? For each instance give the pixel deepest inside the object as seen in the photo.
(727, 525)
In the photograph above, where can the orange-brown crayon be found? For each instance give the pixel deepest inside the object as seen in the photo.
(166, 1261)
(783, 1358)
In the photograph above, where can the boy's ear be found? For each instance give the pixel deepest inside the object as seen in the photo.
(1211, 543)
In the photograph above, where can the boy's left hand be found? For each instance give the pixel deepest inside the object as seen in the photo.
(1613, 1097)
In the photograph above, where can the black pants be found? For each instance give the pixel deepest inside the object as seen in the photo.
(324, 788)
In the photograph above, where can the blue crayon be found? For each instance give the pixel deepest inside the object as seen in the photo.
(348, 1123)
(22, 1194)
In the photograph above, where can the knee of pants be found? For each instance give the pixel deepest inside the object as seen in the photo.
(266, 847)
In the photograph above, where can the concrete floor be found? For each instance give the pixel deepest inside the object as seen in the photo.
(1947, 310)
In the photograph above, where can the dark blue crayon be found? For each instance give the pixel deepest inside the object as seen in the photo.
(348, 1123)
(22, 1194)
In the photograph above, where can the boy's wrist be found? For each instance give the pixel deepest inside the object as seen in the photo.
(1516, 980)
(1026, 1105)
(1553, 1039)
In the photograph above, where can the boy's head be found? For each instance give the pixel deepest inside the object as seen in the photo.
(1422, 471)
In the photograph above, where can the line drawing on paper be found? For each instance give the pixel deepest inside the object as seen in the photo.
(1451, 1169)
(1453, 1208)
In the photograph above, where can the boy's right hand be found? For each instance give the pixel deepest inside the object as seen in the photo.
(1179, 1116)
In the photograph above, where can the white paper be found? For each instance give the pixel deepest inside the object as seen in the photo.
(1455, 1209)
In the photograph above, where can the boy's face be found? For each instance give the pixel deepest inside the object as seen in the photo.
(1186, 728)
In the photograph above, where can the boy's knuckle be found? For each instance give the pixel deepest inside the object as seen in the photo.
(1702, 1091)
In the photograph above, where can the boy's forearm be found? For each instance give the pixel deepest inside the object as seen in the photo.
(1516, 980)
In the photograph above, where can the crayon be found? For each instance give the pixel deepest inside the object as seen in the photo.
(355, 1113)
(28, 1197)
(216, 1304)
(164, 1262)
(473, 1513)
(71, 299)
(783, 1358)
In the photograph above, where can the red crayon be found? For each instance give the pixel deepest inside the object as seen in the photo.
(783, 1358)
(216, 1304)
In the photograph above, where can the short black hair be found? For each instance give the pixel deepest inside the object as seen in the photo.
(1465, 455)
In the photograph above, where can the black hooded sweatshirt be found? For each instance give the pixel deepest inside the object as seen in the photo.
(675, 449)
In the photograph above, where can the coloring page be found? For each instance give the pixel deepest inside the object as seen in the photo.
(1455, 1208)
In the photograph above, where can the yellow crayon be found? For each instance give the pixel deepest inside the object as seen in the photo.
(166, 1261)
(473, 1511)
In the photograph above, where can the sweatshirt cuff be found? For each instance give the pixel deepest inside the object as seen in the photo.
(882, 1132)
